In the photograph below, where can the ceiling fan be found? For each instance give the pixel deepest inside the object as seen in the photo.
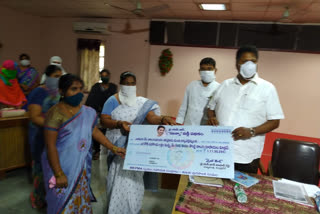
(292, 9)
(128, 29)
(139, 11)
(277, 28)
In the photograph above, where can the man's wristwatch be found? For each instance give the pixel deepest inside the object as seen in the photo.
(252, 132)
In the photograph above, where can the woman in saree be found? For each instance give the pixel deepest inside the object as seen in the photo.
(125, 188)
(41, 99)
(11, 94)
(66, 162)
(27, 75)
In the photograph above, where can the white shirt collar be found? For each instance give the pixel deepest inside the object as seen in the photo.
(209, 84)
(256, 79)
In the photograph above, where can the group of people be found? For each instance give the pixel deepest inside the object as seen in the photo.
(19, 79)
(63, 133)
(68, 130)
(23, 87)
(246, 102)
(65, 136)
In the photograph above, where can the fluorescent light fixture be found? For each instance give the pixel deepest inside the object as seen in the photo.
(213, 6)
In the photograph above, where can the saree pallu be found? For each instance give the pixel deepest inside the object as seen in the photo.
(140, 118)
(74, 150)
(150, 179)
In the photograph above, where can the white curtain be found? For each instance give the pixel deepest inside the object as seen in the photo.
(89, 61)
(89, 67)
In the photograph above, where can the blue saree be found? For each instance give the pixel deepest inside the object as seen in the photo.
(42, 97)
(74, 150)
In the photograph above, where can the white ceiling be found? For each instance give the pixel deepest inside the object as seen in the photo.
(301, 11)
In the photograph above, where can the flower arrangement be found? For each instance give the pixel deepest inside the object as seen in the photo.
(165, 61)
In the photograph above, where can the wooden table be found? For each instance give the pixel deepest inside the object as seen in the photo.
(222, 200)
(182, 186)
(14, 147)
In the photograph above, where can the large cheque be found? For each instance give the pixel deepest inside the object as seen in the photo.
(189, 150)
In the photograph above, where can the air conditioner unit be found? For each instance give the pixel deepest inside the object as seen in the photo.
(91, 27)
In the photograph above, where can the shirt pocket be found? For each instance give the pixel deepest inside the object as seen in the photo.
(252, 105)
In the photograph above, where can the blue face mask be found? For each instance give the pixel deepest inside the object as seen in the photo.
(52, 83)
(74, 100)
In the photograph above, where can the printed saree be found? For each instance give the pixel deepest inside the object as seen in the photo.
(125, 188)
(27, 76)
(74, 150)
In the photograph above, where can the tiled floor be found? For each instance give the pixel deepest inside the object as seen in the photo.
(15, 190)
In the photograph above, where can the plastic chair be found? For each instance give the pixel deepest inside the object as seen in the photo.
(295, 160)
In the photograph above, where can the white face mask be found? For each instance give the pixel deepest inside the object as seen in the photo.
(248, 69)
(128, 95)
(25, 62)
(207, 76)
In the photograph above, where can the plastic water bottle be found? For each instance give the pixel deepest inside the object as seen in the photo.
(317, 199)
(240, 194)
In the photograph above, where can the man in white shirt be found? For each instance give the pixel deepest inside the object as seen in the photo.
(249, 104)
(193, 110)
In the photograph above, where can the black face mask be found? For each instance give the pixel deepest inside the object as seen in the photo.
(74, 100)
(105, 79)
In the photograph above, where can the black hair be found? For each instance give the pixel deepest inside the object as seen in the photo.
(67, 80)
(105, 70)
(208, 61)
(24, 55)
(126, 74)
(51, 69)
(159, 127)
(245, 49)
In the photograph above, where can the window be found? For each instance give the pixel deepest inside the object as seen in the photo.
(89, 57)
(101, 57)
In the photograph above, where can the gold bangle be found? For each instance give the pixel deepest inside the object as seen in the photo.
(114, 149)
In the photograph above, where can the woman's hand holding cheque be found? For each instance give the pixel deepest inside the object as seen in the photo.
(125, 126)
(119, 151)
(166, 120)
